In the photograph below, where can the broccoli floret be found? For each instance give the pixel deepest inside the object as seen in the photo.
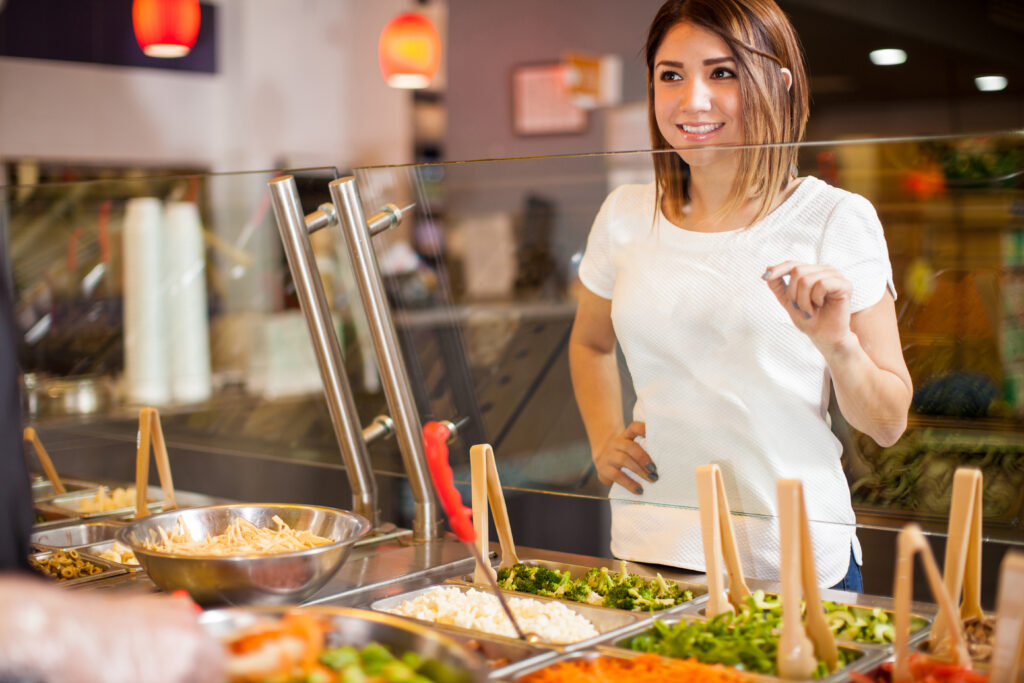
(600, 580)
(577, 591)
(548, 581)
(620, 597)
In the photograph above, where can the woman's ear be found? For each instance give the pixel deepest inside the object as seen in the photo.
(787, 76)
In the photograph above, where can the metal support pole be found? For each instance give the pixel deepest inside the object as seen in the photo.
(342, 407)
(427, 523)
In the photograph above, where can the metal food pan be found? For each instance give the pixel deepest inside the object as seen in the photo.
(607, 622)
(109, 569)
(875, 670)
(42, 489)
(502, 654)
(97, 550)
(359, 628)
(867, 657)
(923, 645)
(697, 608)
(578, 571)
(519, 673)
(68, 503)
(75, 535)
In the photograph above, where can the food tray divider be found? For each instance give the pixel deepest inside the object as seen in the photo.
(109, 569)
(608, 622)
(74, 536)
(871, 654)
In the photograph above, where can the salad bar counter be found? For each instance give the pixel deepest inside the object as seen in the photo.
(399, 610)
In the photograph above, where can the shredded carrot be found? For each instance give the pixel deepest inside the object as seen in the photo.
(647, 668)
(313, 633)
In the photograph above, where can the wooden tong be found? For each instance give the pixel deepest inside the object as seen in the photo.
(487, 488)
(909, 542)
(798, 655)
(149, 425)
(962, 566)
(30, 436)
(719, 540)
(1008, 645)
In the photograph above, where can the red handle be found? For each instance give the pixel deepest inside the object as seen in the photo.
(435, 443)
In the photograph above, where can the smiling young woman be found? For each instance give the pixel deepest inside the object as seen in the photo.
(766, 86)
(737, 292)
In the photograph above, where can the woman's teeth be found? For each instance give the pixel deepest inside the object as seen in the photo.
(701, 130)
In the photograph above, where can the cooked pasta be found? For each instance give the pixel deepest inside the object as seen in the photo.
(105, 500)
(242, 537)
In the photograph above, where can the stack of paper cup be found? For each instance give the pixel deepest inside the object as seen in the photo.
(188, 332)
(147, 371)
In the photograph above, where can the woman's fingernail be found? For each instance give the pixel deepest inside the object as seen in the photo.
(651, 468)
(795, 305)
(767, 274)
(638, 490)
(653, 476)
(807, 315)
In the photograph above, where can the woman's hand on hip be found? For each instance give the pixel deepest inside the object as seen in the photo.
(622, 452)
(817, 298)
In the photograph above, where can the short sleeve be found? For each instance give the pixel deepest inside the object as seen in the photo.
(854, 244)
(597, 268)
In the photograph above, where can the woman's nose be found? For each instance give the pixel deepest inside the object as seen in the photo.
(696, 97)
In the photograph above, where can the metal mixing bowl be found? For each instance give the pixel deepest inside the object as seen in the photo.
(359, 628)
(246, 579)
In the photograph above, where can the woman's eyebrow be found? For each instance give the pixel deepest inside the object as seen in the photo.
(717, 60)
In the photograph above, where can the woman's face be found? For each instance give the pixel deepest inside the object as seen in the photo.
(697, 100)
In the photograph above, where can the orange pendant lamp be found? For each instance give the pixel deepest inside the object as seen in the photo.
(409, 51)
(166, 28)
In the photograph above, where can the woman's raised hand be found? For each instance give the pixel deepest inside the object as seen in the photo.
(817, 299)
(621, 451)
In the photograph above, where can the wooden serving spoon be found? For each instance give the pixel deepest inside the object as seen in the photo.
(798, 655)
(962, 565)
(486, 487)
(32, 438)
(1008, 639)
(150, 428)
(719, 544)
(910, 542)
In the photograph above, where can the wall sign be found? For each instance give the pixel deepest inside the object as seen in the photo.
(541, 101)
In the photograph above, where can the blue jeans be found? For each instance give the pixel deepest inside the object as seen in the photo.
(853, 581)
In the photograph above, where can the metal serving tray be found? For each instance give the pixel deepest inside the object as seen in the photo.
(42, 488)
(696, 607)
(109, 569)
(76, 535)
(876, 669)
(868, 657)
(501, 654)
(923, 645)
(97, 549)
(577, 571)
(606, 621)
(520, 672)
(67, 504)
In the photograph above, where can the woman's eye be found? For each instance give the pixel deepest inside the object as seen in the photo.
(669, 76)
(722, 72)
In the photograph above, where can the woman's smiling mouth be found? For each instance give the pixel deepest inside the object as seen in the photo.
(699, 129)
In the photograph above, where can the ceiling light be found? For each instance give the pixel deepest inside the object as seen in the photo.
(409, 51)
(890, 56)
(990, 83)
(166, 28)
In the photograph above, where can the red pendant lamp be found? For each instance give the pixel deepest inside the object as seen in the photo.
(409, 51)
(166, 28)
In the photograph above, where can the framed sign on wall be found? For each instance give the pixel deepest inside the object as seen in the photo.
(541, 101)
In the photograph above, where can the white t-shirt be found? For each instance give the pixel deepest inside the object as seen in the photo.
(723, 376)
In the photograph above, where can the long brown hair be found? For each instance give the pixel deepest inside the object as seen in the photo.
(762, 41)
